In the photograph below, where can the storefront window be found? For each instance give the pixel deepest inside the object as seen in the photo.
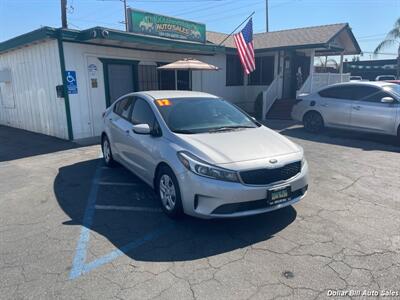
(183, 80)
(147, 77)
(166, 80)
(234, 70)
(264, 72)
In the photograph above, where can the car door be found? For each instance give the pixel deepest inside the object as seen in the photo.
(119, 124)
(335, 105)
(142, 148)
(369, 113)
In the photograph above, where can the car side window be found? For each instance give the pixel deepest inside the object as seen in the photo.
(123, 107)
(142, 113)
(340, 92)
(375, 96)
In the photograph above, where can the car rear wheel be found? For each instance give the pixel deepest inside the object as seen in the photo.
(107, 153)
(169, 193)
(398, 135)
(313, 122)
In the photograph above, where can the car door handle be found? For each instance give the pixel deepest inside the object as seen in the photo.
(324, 105)
(357, 107)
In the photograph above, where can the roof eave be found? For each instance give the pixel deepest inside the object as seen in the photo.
(101, 33)
(352, 37)
(106, 34)
(28, 38)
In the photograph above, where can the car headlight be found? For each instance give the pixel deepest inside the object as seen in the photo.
(201, 168)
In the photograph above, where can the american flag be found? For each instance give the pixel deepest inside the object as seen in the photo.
(244, 44)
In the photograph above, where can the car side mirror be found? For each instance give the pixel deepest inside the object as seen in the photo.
(387, 100)
(141, 129)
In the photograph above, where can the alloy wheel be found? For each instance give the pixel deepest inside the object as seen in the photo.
(106, 151)
(313, 122)
(167, 192)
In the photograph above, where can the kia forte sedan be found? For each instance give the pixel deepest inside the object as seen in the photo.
(363, 106)
(202, 155)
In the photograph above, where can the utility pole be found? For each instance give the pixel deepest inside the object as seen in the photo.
(64, 14)
(126, 16)
(266, 16)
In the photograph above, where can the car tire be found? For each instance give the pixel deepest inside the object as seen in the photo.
(398, 135)
(107, 153)
(169, 193)
(313, 122)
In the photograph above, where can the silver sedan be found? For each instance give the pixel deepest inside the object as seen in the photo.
(202, 155)
(363, 106)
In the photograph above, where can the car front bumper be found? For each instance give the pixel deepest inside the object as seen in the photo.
(208, 198)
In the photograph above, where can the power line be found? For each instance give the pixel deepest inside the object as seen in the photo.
(229, 10)
(199, 10)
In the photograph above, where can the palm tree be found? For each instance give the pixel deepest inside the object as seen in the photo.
(392, 38)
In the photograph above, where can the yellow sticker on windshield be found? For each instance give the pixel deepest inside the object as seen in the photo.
(163, 102)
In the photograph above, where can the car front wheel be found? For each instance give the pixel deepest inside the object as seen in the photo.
(107, 153)
(169, 193)
(313, 122)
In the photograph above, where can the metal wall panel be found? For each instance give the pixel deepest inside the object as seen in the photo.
(35, 73)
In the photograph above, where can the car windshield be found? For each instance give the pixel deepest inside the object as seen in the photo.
(198, 115)
(394, 88)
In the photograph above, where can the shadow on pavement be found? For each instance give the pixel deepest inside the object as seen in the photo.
(365, 141)
(188, 239)
(17, 143)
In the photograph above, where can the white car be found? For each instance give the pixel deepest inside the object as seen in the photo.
(385, 77)
(202, 155)
(363, 106)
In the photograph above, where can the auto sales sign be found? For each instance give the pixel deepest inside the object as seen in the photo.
(163, 26)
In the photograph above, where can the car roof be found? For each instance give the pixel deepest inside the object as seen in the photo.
(176, 94)
(361, 83)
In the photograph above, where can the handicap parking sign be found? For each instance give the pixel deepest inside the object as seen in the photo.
(72, 85)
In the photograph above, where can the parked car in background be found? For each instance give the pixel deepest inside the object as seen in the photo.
(202, 155)
(394, 81)
(364, 106)
(355, 78)
(385, 77)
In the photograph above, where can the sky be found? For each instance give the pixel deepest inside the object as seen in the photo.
(370, 20)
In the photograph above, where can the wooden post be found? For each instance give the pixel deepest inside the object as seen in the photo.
(341, 66)
(312, 57)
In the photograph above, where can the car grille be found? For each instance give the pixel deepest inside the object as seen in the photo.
(267, 176)
(231, 208)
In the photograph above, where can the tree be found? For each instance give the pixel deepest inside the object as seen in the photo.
(392, 38)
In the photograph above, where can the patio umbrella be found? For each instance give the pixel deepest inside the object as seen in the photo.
(189, 64)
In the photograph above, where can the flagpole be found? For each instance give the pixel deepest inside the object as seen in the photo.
(237, 28)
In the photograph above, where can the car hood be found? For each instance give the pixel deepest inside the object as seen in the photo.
(238, 145)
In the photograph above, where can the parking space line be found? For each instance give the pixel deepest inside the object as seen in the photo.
(128, 208)
(81, 248)
(79, 265)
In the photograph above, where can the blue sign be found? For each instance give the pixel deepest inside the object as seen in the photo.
(72, 85)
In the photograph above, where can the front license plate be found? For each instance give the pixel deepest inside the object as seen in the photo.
(279, 195)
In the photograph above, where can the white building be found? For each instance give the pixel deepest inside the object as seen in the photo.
(59, 81)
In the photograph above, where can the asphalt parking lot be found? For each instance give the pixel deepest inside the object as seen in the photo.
(71, 228)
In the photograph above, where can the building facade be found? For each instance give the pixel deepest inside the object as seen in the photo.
(59, 81)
